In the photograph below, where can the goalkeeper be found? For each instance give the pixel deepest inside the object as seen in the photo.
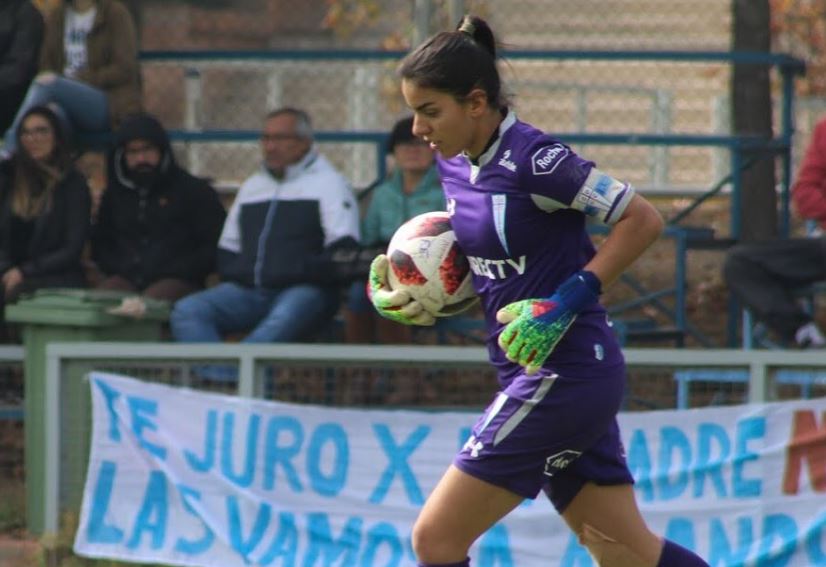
(519, 199)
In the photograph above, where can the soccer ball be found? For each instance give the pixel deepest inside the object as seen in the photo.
(425, 260)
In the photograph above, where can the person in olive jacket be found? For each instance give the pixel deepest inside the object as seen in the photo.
(88, 67)
(21, 35)
(44, 211)
(157, 229)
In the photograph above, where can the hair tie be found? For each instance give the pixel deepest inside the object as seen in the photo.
(467, 27)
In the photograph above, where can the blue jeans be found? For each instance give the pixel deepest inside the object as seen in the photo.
(274, 315)
(82, 108)
(357, 299)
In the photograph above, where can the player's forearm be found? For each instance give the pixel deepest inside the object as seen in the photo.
(639, 227)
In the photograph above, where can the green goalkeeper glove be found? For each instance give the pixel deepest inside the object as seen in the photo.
(396, 305)
(533, 327)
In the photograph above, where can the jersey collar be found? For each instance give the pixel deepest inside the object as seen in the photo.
(487, 155)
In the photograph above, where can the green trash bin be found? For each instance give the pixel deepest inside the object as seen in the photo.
(66, 315)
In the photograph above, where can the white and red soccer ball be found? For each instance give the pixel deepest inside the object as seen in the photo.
(426, 260)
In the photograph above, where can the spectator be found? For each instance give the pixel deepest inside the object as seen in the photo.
(21, 34)
(764, 276)
(412, 189)
(89, 67)
(158, 226)
(283, 218)
(44, 211)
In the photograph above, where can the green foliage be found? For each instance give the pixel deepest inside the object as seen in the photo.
(12, 506)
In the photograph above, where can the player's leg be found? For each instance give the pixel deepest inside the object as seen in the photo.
(610, 525)
(532, 428)
(498, 467)
(459, 510)
(596, 498)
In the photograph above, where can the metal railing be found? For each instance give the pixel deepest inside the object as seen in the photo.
(365, 87)
(66, 406)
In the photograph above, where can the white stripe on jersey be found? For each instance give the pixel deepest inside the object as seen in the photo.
(520, 414)
(499, 204)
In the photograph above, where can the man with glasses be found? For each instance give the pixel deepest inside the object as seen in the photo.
(283, 219)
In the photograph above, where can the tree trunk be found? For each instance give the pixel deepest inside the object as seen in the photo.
(751, 111)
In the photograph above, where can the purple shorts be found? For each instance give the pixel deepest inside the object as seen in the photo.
(550, 432)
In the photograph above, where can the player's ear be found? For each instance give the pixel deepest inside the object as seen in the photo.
(477, 102)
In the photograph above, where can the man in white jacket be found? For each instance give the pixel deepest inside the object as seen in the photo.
(284, 217)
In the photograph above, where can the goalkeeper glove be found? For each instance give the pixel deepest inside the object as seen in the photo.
(533, 327)
(396, 305)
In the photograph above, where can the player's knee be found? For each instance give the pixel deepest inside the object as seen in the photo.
(432, 546)
(608, 552)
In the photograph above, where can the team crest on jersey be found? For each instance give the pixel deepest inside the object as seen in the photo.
(547, 159)
(559, 461)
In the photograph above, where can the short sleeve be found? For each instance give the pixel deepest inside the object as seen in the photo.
(557, 178)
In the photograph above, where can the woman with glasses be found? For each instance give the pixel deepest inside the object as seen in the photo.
(44, 210)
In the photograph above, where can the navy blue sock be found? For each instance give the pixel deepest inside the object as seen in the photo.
(674, 555)
(465, 563)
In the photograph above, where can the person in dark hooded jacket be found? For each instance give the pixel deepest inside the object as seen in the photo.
(158, 226)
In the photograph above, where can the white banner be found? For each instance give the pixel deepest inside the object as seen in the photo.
(187, 478)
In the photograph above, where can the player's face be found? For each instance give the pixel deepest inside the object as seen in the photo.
(280, 144)
(438, 118)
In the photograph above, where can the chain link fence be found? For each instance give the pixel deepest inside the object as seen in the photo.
(362, 94)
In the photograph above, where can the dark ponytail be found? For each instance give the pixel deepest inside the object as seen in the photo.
(479, 30)
(457, 62)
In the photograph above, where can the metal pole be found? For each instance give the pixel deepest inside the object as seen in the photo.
(455, 11)
(192, 115)
(422, 11)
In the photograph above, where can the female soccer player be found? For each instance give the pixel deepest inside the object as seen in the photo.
(519, 200)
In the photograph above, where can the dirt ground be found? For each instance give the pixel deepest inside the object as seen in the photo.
(18, 551)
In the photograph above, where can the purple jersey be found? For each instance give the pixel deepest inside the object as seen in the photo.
(519, 216)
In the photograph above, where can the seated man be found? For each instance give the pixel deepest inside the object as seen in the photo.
(764, 276)
(158, 225)
(284, 219)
